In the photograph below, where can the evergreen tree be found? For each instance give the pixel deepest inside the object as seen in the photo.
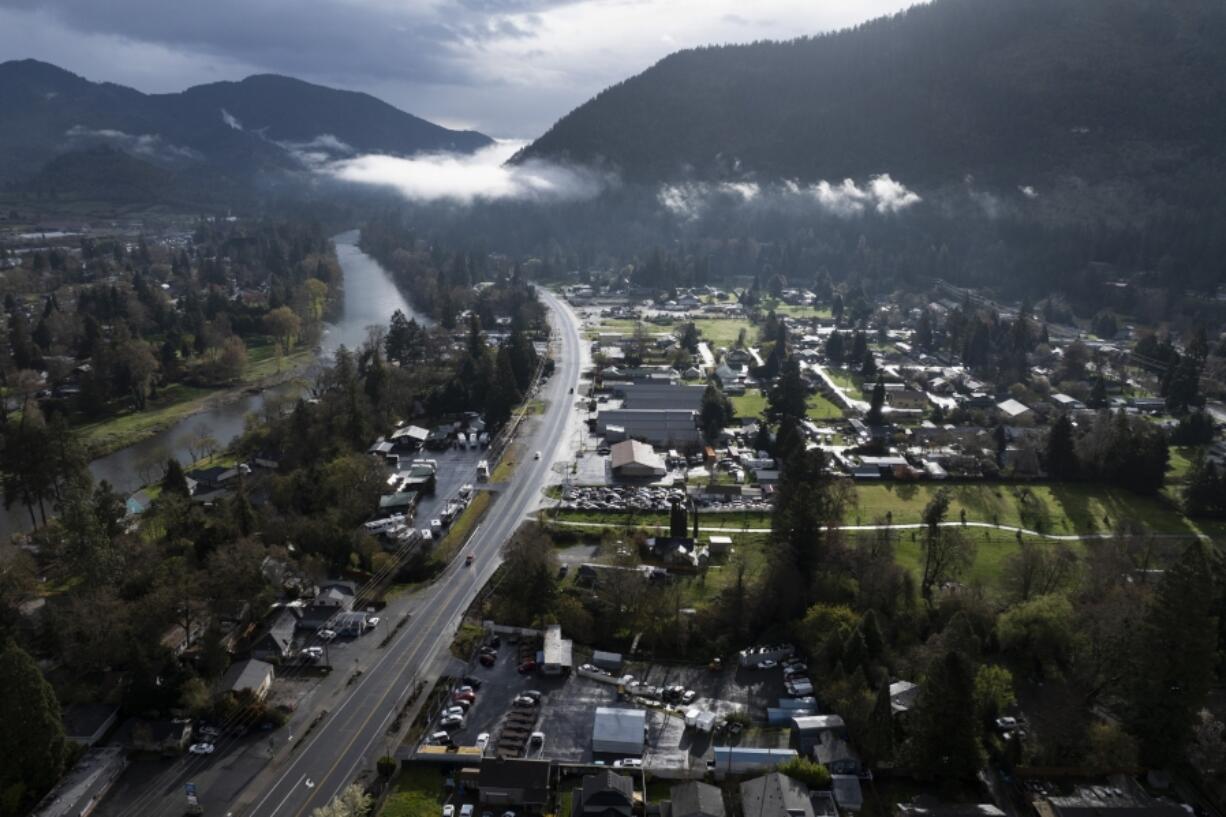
(946, 737)
(787, 397)
(834, 349)
(1061, 456)
(32, 745)
(1176, 659)
(878, 743)
(1203, 491)
(716, 411)
(876, 404)
(174, 481)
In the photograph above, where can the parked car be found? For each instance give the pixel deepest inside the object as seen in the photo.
(689, 696)
(628, 763)
(471, 681)
(483, 740)
(537, 455)
(451, 721)
(202, 748)
(440, 739)
(1006, 723)
(466, 810)
(326, 635)
(466, 697)
(527, 666)
(372, 622)
(462, 704)
(449, 810)
(537, 740)
(524, 700)
(534, 694)
(768, 664)
(487, 659)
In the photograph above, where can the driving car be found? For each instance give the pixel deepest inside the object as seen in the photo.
(537, 455)
(202, 748)
(468, 560)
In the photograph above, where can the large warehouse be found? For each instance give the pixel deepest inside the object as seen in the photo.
(619, 731)
(633, 460)
(665, 427)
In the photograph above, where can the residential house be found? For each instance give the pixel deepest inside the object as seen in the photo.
(251, 675)
(696, 799)
(605, 794)
(276, 643)
(775, 795)
(514, 782)
(332, 599)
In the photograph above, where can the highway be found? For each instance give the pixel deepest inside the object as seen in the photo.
(352, 736)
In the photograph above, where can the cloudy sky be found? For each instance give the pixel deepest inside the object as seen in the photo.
(506, 67)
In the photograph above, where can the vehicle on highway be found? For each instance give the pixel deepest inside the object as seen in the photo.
(537, 455)
(436, 525)
(451, 721)
(527, 666)
(326, 635)
(468, 560)
(208, 732)
(483, 740)
(202, 748)
(466, 489)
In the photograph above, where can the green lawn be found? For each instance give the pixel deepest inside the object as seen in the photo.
(262, 361)
(724, 331)
(416, 792)
(820, 408)
(1057, 509)
(750, 404)
(846, 380)
(802, 311)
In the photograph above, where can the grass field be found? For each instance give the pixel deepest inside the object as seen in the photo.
(416, 792)
(173, 403)
(750, 404)
(819, 408)
(724, 331)
(846, 380)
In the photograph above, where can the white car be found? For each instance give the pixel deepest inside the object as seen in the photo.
(466, 489)
(448, 810)
(537, 455)
(312, 653)
(202, 748)
(537, 741)
(768, 664)
(451, 722)
(436, 525)
(326, 634)
(483, 740)
(454, 710)
(628, 763)
(688, 696)
(372, 622)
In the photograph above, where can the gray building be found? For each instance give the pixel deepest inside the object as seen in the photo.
(664, 427)
(775, 795)
(649, 395)
(696, 799)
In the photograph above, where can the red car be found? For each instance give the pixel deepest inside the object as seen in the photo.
(463, 696)
(527, 666)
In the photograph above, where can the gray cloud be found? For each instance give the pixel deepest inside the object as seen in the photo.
(149, 145)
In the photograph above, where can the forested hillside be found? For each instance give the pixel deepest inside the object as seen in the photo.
(1012, 91)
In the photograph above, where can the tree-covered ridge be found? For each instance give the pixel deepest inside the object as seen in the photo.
(1012, 92)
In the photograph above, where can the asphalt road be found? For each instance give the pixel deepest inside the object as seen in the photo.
(352, 736)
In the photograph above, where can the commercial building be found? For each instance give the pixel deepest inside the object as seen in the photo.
(515, 782)
(663, 427)
(558, 652)
(635, 460)
(618, 731)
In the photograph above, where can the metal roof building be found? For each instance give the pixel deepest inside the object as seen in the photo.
(619, 731)
(632, 458)
(656, 426)
(558, 652)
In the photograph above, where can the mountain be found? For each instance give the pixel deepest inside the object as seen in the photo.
(1011, 91)
(262, 125)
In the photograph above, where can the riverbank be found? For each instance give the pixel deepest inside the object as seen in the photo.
(179, 402)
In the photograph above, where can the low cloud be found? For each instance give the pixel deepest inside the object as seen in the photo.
(320, 150)
(231, 120)
(881, 194)
(147, 145)
(481, 176)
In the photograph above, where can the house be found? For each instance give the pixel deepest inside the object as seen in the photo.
(516, 782)
(558, 652)
(332, 599)
(85, 784)
(276, 642)
(619, 731)
(696, 799)
(1012, 409)
(86, 724)
(162, 736)
(633, 459)
(212, 479)
(604, 794)
(1067, 402)
(251, 675)
(824, 738)
(775, 795)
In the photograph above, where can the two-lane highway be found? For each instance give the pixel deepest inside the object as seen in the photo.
(352, 736)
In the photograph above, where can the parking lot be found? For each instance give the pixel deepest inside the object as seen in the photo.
(635, 498)
(567, 707)
(456, 467)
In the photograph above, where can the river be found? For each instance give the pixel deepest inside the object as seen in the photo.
(370, 299)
